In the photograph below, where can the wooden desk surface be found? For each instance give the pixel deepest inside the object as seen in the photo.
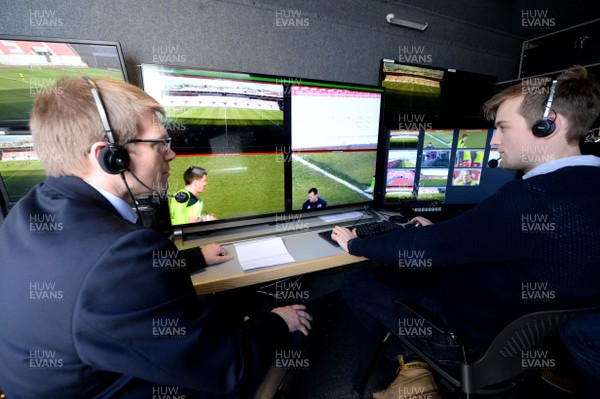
(310, 252)
(207, 285)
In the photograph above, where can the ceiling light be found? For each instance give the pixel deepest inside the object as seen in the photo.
(392, 19)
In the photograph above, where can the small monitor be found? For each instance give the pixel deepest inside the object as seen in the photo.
(334, 139)
(445, 166)
(463, 96)
(27, 66)
(413, 95)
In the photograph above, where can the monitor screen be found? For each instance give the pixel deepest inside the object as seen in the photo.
(412, 95)
(334, 137)
(27, 66)
(229, 126)
(449, 166)
(463, 96)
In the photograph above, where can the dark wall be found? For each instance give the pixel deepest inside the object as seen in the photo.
(336, 40)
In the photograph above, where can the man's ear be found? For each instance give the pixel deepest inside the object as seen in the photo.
(94, 153)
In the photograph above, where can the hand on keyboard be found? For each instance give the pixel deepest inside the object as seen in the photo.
(342, 235)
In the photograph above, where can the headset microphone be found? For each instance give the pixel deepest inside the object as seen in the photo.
(493, 163)
(154, 191)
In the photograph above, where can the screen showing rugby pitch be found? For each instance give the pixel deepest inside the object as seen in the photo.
(28, 65)
(229, 127)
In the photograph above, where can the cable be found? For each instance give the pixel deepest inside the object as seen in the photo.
(360, 218)
(135, 204)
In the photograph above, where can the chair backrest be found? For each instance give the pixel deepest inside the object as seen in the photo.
(4, 199)
(516, 349)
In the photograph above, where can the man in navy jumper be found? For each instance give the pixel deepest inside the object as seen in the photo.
(531, 246)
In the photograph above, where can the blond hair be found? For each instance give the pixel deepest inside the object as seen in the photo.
(577, 98)
(65, 122)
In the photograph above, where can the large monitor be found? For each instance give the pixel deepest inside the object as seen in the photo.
(27, 66)
(231, 125)
(334, 137)
(443, 166)
(265, 141)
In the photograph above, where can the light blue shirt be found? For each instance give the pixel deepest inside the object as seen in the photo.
(551, 166)
(119, 204)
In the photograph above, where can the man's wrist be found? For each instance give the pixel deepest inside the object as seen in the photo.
(348, 244)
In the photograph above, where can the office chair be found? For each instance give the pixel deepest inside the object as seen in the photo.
(500, 368)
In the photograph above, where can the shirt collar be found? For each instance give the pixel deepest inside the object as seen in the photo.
(119, 204)
(551, 166)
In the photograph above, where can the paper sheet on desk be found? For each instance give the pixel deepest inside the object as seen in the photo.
(262, 253)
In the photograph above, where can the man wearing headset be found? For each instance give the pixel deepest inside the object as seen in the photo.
(100, 306)
(533, 244)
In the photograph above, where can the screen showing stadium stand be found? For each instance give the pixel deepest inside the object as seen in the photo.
(449, 166)
(230, 124)
(27, 66)
(334, 139)
(413, 94)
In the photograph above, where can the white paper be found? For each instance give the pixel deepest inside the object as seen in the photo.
(262, 253)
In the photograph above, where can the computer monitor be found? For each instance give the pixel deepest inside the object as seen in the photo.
(463, 96)
(426, 97)
(265, 141)
(413, 94)
(27, 66)
(441, 166)
(231, 125)
(334, 138)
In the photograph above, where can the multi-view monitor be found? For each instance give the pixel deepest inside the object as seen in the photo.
(449, 166)
(437, 143)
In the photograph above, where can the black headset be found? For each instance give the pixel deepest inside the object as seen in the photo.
(545, 127)
(113, 159)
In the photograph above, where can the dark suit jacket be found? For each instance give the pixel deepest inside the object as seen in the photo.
(94, 306)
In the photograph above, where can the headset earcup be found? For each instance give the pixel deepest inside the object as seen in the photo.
(113, 159)
(543, 128)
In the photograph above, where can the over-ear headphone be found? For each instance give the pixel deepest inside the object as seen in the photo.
(113, 159)
(545, 127)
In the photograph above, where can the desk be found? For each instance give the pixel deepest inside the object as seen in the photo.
(311, 253)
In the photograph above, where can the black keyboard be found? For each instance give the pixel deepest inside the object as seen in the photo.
(368, 229)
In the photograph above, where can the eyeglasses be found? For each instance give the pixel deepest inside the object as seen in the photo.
(166, 143)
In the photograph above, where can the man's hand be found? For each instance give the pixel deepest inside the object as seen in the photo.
(215, 254)
(342, 235)
(295, 317)
(420, 221)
